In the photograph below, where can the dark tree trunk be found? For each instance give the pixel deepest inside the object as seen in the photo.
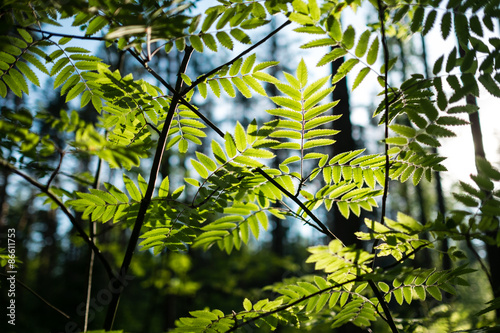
(493, 251)
(446, 262)
(343, 228)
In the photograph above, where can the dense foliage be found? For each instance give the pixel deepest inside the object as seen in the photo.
(137, 126)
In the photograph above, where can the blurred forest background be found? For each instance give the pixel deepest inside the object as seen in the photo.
(163, 288)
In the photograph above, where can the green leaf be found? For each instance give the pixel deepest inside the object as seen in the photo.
(344, 69)
(318, 143)
(290, 91)
(429, 22)
(240, 137)
(418, 17)
(428, 140)
(255, 85)
(434, 292)
(318, 110)
(132, 189)
(206, 161)
(300, 19)
(228, 87)
(35, 62)
(253, 23)
(26, 35)
(301, 74)
(398, 294)
(334, 28)
(319, 43)
(362, 44)
(209, 41)
(183, 146)
(373, 52)
(240, 36)
(264, 65)
(200, 169)
(164, 188)
(438, 65)
(287, 103)
(360, 77)
(475, 25)
(3, 89)
(226, 16)
(331, 56)
(12, 84)
(75, 91)
(218, 152)
(96, 25)
(320, 121)
(313, 87)
(58, 66)
(403, 130)
(26, 70)
(490, 84)
(446, 25)
(63, 76)
(248, 64)
(214, 85)
(258, 153)
(343, 208)
(461, 28)
(196, 43)
(230, 145)
(225, 40)
(348, 38)
(242, 87)
(247, 305)
(235, 67)
(209, 20)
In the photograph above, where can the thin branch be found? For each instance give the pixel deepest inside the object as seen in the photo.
(56, 170)
(66, 212)
(92, 232)
(323, 227)
(478, 257)
(373, 286)
(160, 149)
(215, 70)
(38, 296)
(64, 35)
(183, 101)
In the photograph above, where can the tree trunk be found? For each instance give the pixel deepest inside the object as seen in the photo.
(343, 228)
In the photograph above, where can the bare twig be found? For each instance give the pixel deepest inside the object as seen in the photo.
(92, 232)
(66, 212)
(56, 170)
(37, 296)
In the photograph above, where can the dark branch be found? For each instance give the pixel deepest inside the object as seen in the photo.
(65, 35)
(66, 212)
(215, 70)
(153, 176)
